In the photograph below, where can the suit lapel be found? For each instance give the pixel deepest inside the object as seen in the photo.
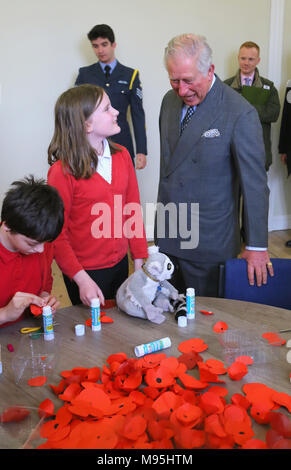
(184, 146)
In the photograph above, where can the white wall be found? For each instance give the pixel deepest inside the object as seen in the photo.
(42, 45)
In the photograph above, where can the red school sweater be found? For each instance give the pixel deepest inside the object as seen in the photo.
(24, 273)
(96, 214)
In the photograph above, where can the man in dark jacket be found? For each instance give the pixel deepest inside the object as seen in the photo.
(259, 91)
(122, 85)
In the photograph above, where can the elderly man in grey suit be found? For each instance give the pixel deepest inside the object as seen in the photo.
(211, 142)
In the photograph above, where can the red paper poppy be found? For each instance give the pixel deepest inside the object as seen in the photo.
(274, 339)
(189, 414)
(281, 424)
(57, 389)
(247, 360)
(216, 366)
(192, 345)
(211, 403)
(35, 310)
(220, 327)
(134, 427)
(159, 378)
(205, 374)
(237, 370)
(46, 408)
(166, 403)
(260, 413)
(37, 381)
(214, 425)
(282, 399)
(71, 392)
(206, 312)
(191, 382)
(106, 319)
(187, 438)
(254, 444)
(240, 400)
(63, 416)
(109, 303)
(14, 413)
(190, 359)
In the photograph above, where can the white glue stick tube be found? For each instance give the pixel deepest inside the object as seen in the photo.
(48, 327)
(149, 348)
(95, 314)
(190, 302)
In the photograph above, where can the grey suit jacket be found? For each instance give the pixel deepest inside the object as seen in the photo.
(221, 148)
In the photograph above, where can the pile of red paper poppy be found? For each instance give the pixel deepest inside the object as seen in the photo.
(155, 402)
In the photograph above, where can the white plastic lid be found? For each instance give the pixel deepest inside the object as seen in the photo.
(182, 321)
(190, 291)
(95, 302)
(79, 330)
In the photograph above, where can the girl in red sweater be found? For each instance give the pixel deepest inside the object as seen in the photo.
(97, 182)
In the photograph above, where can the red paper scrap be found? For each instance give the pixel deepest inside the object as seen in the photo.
(14, 413)
(274, 339)
(206, 312)
(37, 381)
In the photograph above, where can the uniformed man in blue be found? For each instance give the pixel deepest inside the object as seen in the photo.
(122, 84)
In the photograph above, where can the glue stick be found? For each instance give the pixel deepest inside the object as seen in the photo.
(190, 302)
(148, 348)
(95, 314)
(48, 327)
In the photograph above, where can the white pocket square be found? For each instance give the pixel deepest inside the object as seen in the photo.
(211, 133)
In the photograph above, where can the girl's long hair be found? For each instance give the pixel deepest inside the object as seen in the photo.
(69, 143)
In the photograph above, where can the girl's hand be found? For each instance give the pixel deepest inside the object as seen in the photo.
(88, 289)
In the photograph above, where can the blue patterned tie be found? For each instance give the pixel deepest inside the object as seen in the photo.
(247, 81)
(188, 115)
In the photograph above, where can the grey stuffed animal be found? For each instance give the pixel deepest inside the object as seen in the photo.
(147, 292)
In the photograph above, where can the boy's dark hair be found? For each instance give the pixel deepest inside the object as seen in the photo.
(101, 31)
(34, 209)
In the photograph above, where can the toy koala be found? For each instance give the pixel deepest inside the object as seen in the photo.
(147, 293)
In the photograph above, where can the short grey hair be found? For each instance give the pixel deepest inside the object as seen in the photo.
(190, 45)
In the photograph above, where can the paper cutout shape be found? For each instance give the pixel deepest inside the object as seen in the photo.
(37, 381)
(35, 310)
(220, 327)
(14, 414)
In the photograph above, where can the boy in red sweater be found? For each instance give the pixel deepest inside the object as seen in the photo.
(32, 215)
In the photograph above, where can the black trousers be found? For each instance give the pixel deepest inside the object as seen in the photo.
(203, 277)
(108, 279)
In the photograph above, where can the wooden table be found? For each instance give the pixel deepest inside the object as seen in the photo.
(126, 332)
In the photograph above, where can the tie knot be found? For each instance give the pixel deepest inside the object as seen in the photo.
(107, 69)
(247, 81)
(189, 113)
